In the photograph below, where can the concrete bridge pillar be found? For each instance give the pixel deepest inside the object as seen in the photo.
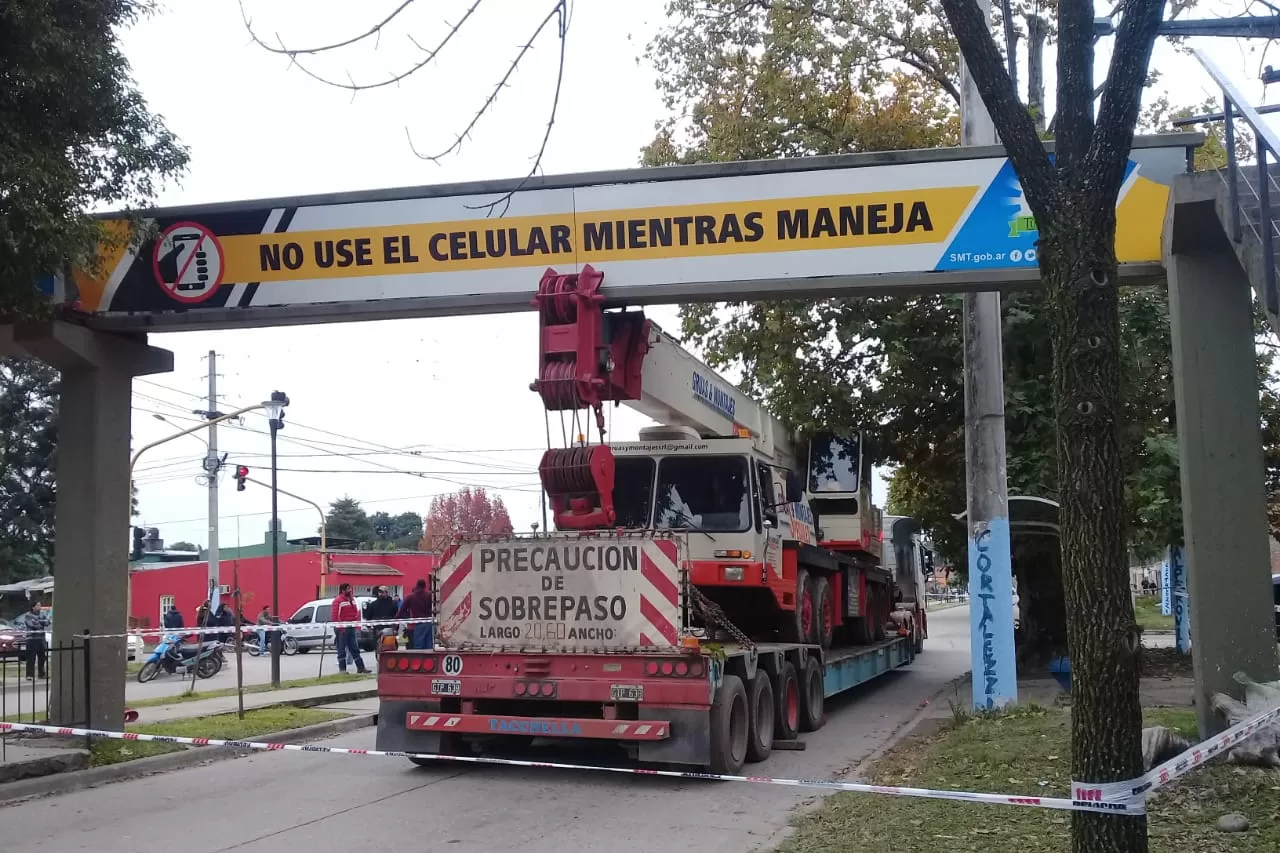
(1224, 507)
(92, 516)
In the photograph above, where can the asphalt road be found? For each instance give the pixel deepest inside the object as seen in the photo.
(334, 804)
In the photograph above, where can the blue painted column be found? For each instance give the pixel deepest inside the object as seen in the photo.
(1176, 563)
(995, 675)
(1166, 587)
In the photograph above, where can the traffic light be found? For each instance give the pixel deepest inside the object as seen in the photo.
(138, 535)
(242, 471)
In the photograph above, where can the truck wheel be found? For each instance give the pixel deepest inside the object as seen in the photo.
(812, 712)
(918, 646)
(786, 717)
(875, 612)
(824, 613)
(760, 704)
(797, 626)
(730, 727)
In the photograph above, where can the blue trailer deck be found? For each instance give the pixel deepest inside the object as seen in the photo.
(848, 667)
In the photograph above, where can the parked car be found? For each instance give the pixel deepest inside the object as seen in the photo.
(309, 625)
(13, 640)
(134, 646)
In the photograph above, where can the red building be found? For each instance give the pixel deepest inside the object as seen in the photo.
(155, 586)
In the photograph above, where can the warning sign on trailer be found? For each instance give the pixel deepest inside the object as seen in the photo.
(188, 262)
(561, 594)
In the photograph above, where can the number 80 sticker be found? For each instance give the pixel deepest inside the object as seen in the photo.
(451, 665)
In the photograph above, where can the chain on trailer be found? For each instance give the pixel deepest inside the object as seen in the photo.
(712, 616)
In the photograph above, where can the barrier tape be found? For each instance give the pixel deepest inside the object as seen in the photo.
(247, 628)
(1129, 805)
(1127, 797)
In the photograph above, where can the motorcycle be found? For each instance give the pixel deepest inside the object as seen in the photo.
(288, 645)
(174, 657)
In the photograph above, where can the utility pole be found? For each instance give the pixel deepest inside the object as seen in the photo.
(995, 676)
(211, 465)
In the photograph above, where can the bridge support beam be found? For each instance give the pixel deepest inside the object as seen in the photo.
(91, 561)
(1220, 447)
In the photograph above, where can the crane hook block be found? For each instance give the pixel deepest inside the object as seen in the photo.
(579, 484)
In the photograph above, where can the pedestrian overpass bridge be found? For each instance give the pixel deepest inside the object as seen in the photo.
(865, 224)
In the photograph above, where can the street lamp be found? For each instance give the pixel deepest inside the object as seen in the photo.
(275, 414)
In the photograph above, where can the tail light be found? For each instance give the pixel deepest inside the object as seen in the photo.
(532, 689)
(678, 668)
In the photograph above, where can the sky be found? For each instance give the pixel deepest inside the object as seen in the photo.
(393, 412)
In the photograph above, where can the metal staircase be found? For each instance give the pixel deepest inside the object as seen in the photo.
(1249, 204)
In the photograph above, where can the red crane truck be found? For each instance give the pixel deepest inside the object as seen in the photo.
(705, 590)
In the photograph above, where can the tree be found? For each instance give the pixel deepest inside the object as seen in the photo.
(396, 532)
(1072, 198)
(466, 512)
(346, 519)
(76, 135)
(28, 446)
(183, 546)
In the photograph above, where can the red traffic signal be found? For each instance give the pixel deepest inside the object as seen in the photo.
(242, 471)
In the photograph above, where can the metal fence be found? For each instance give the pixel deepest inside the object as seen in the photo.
(36, 679)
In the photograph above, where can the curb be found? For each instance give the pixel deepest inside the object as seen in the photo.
(304, 702)
(65, 783)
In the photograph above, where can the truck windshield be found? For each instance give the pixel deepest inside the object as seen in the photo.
(633, 491)
(704, 493)
(834, 464)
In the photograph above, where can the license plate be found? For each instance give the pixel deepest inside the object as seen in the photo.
(626, 692)
(446, 687)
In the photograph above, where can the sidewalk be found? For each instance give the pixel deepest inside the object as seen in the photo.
(335, 696)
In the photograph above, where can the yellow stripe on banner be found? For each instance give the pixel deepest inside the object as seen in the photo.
(1140, 220)
(892, 218)
(92, 284)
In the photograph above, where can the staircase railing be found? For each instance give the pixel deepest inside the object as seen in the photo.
(1260, 186)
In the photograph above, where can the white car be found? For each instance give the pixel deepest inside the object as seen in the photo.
(134, 647)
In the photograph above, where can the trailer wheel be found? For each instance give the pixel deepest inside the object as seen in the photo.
(760, 703)
(876, 612)
(730, 727)
(812, 712)
(786, 716)
(824, 622)
(797, 626)
(918, 646)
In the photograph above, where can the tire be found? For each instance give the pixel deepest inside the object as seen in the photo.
(794, 627)
(824, 613)
(812, 710)
(730, 727)
(918, 646)
(761, 716)
(875, 612)
(207, 667)
(786, 710)
(289, 646)
(449, 745)
(149, 670)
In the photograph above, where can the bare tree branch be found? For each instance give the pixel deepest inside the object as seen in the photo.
(1021, 141)
(1122, 97)
(1075, 85)
(558, 13)
(373, 32)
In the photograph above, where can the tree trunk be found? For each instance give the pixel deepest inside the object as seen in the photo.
(1077, 258)
(1036, 35)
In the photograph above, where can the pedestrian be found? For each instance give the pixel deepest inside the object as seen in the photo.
(35, 623)
(345, 609)
(381, 609)
(417, 606)
(264, 618)
(203, 615)
(173, 619)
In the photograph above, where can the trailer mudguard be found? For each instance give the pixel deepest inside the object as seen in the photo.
(690, 740)
(395, 736)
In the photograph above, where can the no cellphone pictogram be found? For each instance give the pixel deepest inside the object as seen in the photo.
(188, 262)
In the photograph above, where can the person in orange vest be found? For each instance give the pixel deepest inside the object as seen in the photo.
(345, 609)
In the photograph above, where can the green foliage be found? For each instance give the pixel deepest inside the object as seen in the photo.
(183, 546)
(783, 79)
(380, 532)
(75, 134)
(28, 445)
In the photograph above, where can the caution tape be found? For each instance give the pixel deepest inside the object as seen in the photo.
(247, 628)
(1126, 797)
(1130, 805)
